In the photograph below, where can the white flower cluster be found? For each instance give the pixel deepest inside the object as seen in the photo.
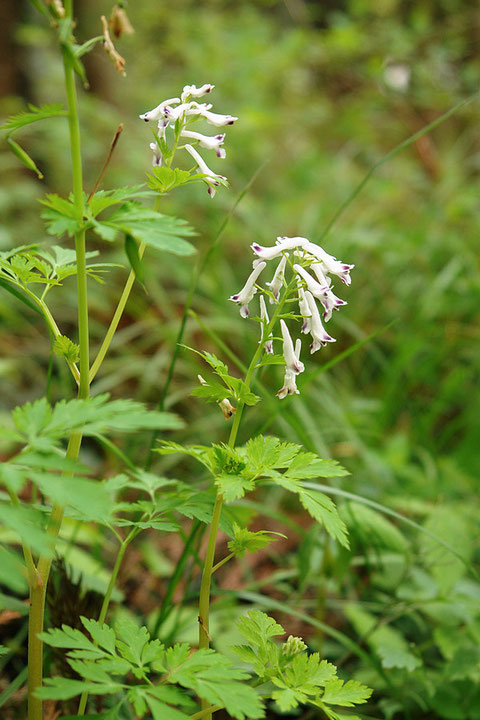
(311, 266)
(179, 114)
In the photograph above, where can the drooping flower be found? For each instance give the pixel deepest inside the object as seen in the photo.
(314, 287)
(292, 362)
(319, 335)
(331, 302)
(214, 142)
(193, 91)
(276, 283)
(212, 179)
(304, 308)
(289, 380)
(159, 111)
(334, 266)
(268, 253)
(248, 291)
(268, 345)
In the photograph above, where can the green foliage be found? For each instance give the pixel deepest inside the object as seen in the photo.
(247, 541)
(64, 347)
(232, 386)
(131, 218)
(32, 115)
(131, 251)
(300, 678)
(125, 660)
(24, 157)
(164, 179)
(42, 427)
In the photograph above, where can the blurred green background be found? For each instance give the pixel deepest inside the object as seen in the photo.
(322, 90)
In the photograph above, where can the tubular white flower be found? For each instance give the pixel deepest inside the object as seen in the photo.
(319, 335)
(268, 253)
(157, 155)
(212, 179)
(207, 141)
(213, 118)
(331, 302)
(268, 345)
(292, 362)
(320, 271)
(313, 286)
(334, 266)
(289, 380)
(246, 294)
(193, 91)
(277, 282)
(159, 111)
(183, 110)
(304, 308)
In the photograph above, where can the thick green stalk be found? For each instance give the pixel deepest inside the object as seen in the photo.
(38, 589)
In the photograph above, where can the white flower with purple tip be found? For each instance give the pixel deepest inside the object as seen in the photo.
(248, 291)
(292, 362)
(212, 179)
(158, 112)
(319, 335)
(209, 142)
(304, 308)
(289, 380)
(193, 91)
(331, 302)
(268, 253)
(313, 285)
(333, 266)
(277, 282)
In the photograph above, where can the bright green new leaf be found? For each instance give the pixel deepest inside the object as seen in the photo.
(64, 347)
(246, 541)
(346, 694)
(163, 179)
(258, 628)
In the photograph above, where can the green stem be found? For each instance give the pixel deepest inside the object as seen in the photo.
(35, 648)
(116, 319)
(106, 602)
(222, 562)
(204, 600)
(38, 589)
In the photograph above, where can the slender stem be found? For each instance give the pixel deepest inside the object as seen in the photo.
(204, 600)
(222, 562)
(53, 327)
(35, 648)
(116, 319)
(191, 292)
(106, 601)
(38, 589)
(206, 712)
